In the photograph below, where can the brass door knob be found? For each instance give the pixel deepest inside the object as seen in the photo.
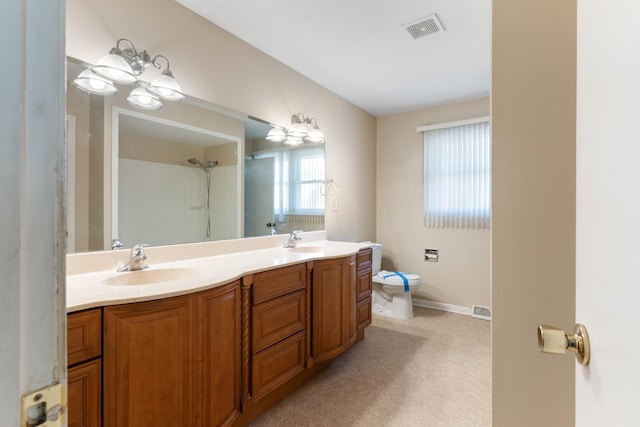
(554, 340)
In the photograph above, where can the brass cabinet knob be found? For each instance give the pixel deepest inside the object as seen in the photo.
(554, 340)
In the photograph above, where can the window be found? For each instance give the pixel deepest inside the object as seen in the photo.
(457, 174)
(299, 180)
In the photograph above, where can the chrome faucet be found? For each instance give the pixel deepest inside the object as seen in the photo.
(293, 239)
(136, 261)
(116, 244)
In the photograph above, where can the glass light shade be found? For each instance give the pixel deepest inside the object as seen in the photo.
(115, 68)
(292, 140)
(141, 98)
(297, 130)
(315, 135)
(276, 135)
(93, 83)
(166, 87)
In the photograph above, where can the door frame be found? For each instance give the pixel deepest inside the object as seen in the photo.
(32, 218)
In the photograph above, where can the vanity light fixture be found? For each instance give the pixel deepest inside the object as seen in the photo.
(303, 129)
(124, 65)
(93, 83)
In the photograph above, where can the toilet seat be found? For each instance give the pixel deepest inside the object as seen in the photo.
(391, 278)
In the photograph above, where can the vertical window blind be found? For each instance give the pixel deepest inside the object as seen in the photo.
(298, 182)
(457, 174)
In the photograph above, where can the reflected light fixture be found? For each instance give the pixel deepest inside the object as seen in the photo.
(140, 97)
(303, 129)
(124, 65)
(276, 135)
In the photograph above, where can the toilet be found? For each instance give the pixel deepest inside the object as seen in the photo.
(391, 289)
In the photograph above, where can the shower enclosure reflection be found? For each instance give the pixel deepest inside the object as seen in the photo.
(207, 171)
(160, 198)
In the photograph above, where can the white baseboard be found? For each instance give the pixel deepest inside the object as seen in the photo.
(441, 306)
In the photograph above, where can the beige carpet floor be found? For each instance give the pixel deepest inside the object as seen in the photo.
(432, 370)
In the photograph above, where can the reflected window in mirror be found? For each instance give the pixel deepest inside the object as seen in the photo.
(299, 176)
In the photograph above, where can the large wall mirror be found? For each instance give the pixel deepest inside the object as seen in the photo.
(189, 172)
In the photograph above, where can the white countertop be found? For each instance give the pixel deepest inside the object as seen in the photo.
(92, 289)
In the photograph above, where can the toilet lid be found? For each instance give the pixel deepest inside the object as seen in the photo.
(394, 278)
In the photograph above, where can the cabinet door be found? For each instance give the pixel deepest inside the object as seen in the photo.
(148, 363)
(363, 281)
(276, 365)
(84, 394)
(84, 336)
(277, 319)
(363, 313)
(218, 355)
(330, 298)
(276, 283)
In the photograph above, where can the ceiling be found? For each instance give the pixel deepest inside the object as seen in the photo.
(360, 49)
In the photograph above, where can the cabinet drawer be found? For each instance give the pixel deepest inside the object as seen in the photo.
(276, 365)
(277, 319)
(363, 284)
(275, 283)
(84, 336)
(363, 313)
(363, 259)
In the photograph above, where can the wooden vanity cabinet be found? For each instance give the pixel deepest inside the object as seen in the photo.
(174, 360)
(201, 359)
(84, 385)
(363, 290)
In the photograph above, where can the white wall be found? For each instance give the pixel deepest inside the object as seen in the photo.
(168, 203)
(461, 277)
(213, 65)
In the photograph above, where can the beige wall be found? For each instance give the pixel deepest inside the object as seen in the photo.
(213, 65)
(533, 208)
(461, 277)
(224, 154)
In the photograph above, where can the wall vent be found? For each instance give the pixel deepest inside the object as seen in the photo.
(425, 26)
(481, 312)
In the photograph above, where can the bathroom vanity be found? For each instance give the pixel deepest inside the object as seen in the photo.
(198, 353)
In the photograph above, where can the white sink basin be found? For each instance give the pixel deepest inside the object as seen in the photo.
(150, 276)
(308, 249)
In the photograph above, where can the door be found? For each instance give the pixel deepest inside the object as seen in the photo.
(608, 210)
(258, 203)
(331, 307)
(218, 355)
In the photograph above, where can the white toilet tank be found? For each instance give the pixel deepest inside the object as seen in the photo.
(376, 258)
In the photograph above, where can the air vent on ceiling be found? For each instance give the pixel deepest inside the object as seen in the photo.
(425, 26)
